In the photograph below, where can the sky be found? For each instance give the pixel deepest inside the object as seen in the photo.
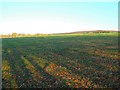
(57, 17)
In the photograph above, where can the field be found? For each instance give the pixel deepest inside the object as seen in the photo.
(87, 60)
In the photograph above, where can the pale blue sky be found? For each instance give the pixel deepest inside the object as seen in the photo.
(55, 17)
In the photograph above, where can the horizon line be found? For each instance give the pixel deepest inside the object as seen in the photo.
(111, 30)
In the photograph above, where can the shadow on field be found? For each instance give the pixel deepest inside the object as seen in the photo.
(27, 74)
(102, 71)
(61, 62)
(47, 80)
(104, 74)
(18, 70)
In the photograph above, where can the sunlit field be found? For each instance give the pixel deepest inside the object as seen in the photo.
(88, 60)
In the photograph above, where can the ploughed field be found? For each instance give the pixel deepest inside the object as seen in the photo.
(64, 60)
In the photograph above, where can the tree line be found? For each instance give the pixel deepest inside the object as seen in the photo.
(14, 35)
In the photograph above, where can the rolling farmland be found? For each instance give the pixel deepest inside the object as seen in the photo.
(88, 60)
